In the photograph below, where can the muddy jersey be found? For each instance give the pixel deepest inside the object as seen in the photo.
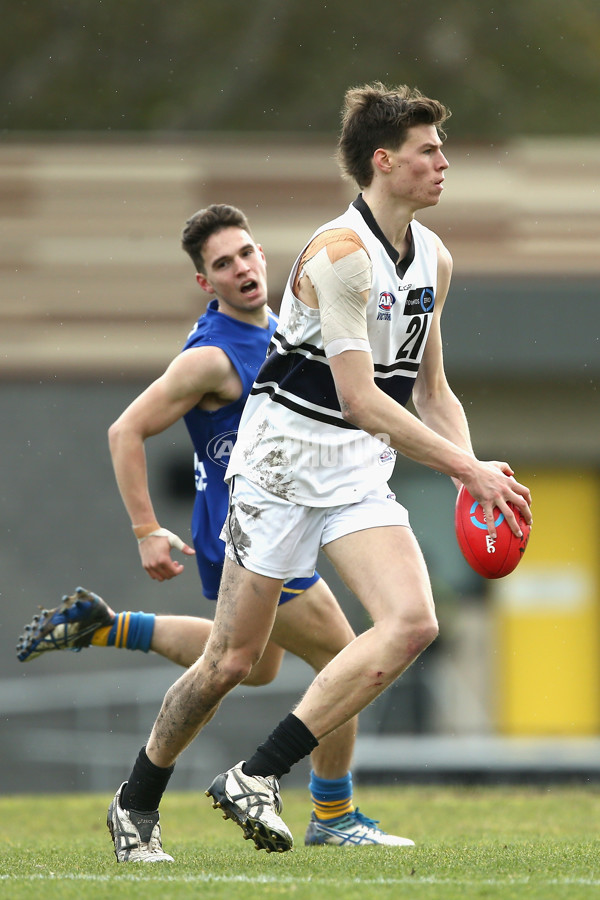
(293, 440)
(213, 433)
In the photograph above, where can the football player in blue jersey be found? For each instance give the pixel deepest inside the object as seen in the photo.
(207, 385)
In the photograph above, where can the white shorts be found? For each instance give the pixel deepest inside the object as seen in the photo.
(273, 537)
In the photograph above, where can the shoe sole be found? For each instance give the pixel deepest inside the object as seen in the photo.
(346, 844)
(264, 838)
(45, 627)
(111, 827)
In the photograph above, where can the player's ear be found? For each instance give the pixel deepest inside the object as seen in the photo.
(382, 161)
(262, 253)
(204, 283)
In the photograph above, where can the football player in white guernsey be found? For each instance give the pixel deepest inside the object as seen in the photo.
(359, 334)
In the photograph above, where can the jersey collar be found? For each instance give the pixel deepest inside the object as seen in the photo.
(400, 264)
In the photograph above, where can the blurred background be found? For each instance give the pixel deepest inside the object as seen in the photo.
(119, 120)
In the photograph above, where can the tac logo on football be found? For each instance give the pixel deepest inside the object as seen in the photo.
(492, 557)
(220, 447)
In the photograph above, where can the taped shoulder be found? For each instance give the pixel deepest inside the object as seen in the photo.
(340, 242)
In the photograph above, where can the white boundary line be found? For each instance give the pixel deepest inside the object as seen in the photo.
(206, 878)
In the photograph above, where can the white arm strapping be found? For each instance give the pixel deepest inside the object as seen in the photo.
(339, 288)
(174, 541)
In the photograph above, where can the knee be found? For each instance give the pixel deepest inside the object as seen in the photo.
(422, 634)
(229, 670)
(414, 634)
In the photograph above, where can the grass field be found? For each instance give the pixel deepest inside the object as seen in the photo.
(538, 843)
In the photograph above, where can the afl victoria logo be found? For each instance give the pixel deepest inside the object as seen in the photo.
(220, 447)
(386, 301)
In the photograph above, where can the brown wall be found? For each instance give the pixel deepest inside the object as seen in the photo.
(90, 232)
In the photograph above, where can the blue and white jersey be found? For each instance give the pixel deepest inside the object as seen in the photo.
(213, 433)
(293, 440)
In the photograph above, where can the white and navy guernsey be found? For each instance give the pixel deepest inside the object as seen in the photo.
(293, 440)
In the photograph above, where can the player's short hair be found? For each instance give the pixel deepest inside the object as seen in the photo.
(206, 222)
(373, 116)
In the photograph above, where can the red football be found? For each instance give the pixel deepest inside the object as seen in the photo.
(490, 558)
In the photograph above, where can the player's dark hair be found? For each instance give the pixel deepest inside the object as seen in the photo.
(204, 224)
(378, 116)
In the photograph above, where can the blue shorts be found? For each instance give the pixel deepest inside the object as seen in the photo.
(210, 576)
(296, 586)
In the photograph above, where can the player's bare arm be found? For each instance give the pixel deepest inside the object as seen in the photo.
(435, 402)
(203, 376)
(369, 408)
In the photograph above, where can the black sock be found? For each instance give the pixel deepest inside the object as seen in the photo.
(290, 742)
(147, 783)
